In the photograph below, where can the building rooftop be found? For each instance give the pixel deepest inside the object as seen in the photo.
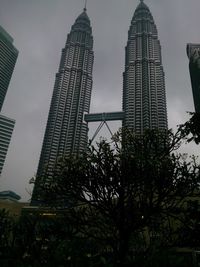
(9, 195)
(7, 39)
(83, 17)
(142, 5)
(6, 35)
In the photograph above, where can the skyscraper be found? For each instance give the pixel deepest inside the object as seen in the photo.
(8, 57)
(66, 132)
(193, 52)
(6, 129)
(144, 100)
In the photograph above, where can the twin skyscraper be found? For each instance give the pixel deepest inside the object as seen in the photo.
(144, 100)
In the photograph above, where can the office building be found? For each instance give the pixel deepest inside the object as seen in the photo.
(66, 131)
(193, 52)
(8, 57)
(6, 129)
(144, 100)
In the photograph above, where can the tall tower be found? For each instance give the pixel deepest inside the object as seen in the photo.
(193, 52)
(8, 57)
(144, 100)
(66, 132)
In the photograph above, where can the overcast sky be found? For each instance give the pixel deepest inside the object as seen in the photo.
(39, 29)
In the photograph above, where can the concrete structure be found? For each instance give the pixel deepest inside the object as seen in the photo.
(193, 52)
(144, 100)
(6, 129)
(8, 57)
(66, 131)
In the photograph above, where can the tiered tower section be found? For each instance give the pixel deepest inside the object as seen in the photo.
(144, 100)
(66, 131)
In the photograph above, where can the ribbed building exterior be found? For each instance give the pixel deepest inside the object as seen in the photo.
(66, 132)
(8, 57)
(144, 99)
(6, 129)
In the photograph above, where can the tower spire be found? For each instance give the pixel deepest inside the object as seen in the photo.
(142, 1)
(85, 7)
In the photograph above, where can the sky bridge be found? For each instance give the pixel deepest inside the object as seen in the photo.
(103, 118)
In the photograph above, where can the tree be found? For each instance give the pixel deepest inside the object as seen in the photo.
(6, 226)
(192, 128)
(128, 197)
(125, 203)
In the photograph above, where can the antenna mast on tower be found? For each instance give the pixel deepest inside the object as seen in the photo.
(85, 7)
